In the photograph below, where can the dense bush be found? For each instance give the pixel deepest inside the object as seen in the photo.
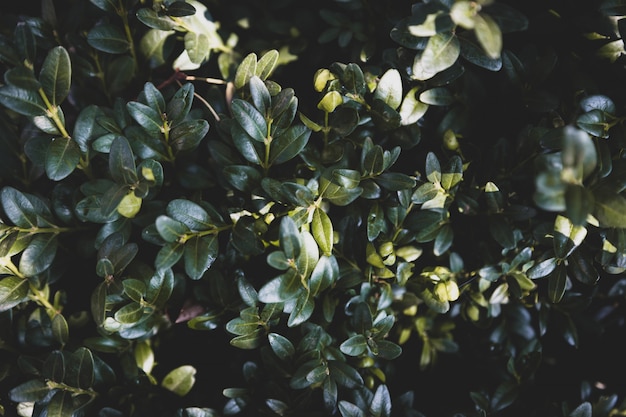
(332, 208)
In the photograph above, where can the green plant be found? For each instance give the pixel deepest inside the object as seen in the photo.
(351, 208)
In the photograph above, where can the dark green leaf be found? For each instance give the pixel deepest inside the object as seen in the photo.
(302, 310)
(245, 237)
(179, 106)
(248, 341)
(105, 5)
(594, 122)
(289, 238)
(39, 254)
(443, 241)
(56, 75)
(134, 289)
(260, 95)
(610, 209)
(152, 19)
(438, 96)
(557, 283)
(243, 177)
(433, 168)
(388, 350)
(86, 127)
(502, 231)
(579, 202)
(122, 162)
(282, 347)
(354, 346)
(289, 144)
(29, 391)
(60, 329)
(249, 118)
(160, 287)
(187, 135)
(190, 214)
(249, 148)
(381, 403)
(613, 8)
(169, 255)
(61, 405)
(24, 102)
(108, 38)
(170, 230)
(395, 181)
(146, 116)
(350, 410)
(79, 369)
(54, 366)
(542, 269)
(200, 253)
(23, 78)
(18, 208)
(180, 8)
(474, 53)
(441, 53)
(506, 393)
(25, 42)
(585, 409)
(62, 158)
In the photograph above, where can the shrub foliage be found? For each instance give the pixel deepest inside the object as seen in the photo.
(348, 208)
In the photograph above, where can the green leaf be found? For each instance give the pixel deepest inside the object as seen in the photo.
(60, 329)
(169, 229)
(302, 310)
(433, 168)
(289, 144)
(266, 64)
(557, 283)
(437, 96)
(610, 209)
(19, 209)
(79, 369)
(39, 254)
(25, 42)
(160, 287)
(585, 409)
(282, 347)
(190, 214)
(354, 346)
(443, 241)
(179, 106)
(441, 53)
(488, 34)
(122, 162)
(594, 122)
(108, 38)
(250, 119)
(502, 231)
(13, 291)
(542, 269)
(129, 314)
(260, 95)
(389, 88)
(146, 117)
(395, 181)
(21, 101)
(54, 366)
(249, 148)
(579, 202)
(348, 409)
(330, 101)
(381, 403)
(248, 341)
(168, 255)
(134, 289)
(200, 253)
(289, 238)
(243, 177)
(23, 78)
(245, 70)
(153, 46)
(388, 350)
(62, 158)
(412, 109)
(56, 75)
(61, 405)
(86, 127)
(180, 8)
(105, 5)
(322, 229)
(198, 46)
(152, 19)
(241, 327)
(29, 391)
(180, 380)
(188, 134)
